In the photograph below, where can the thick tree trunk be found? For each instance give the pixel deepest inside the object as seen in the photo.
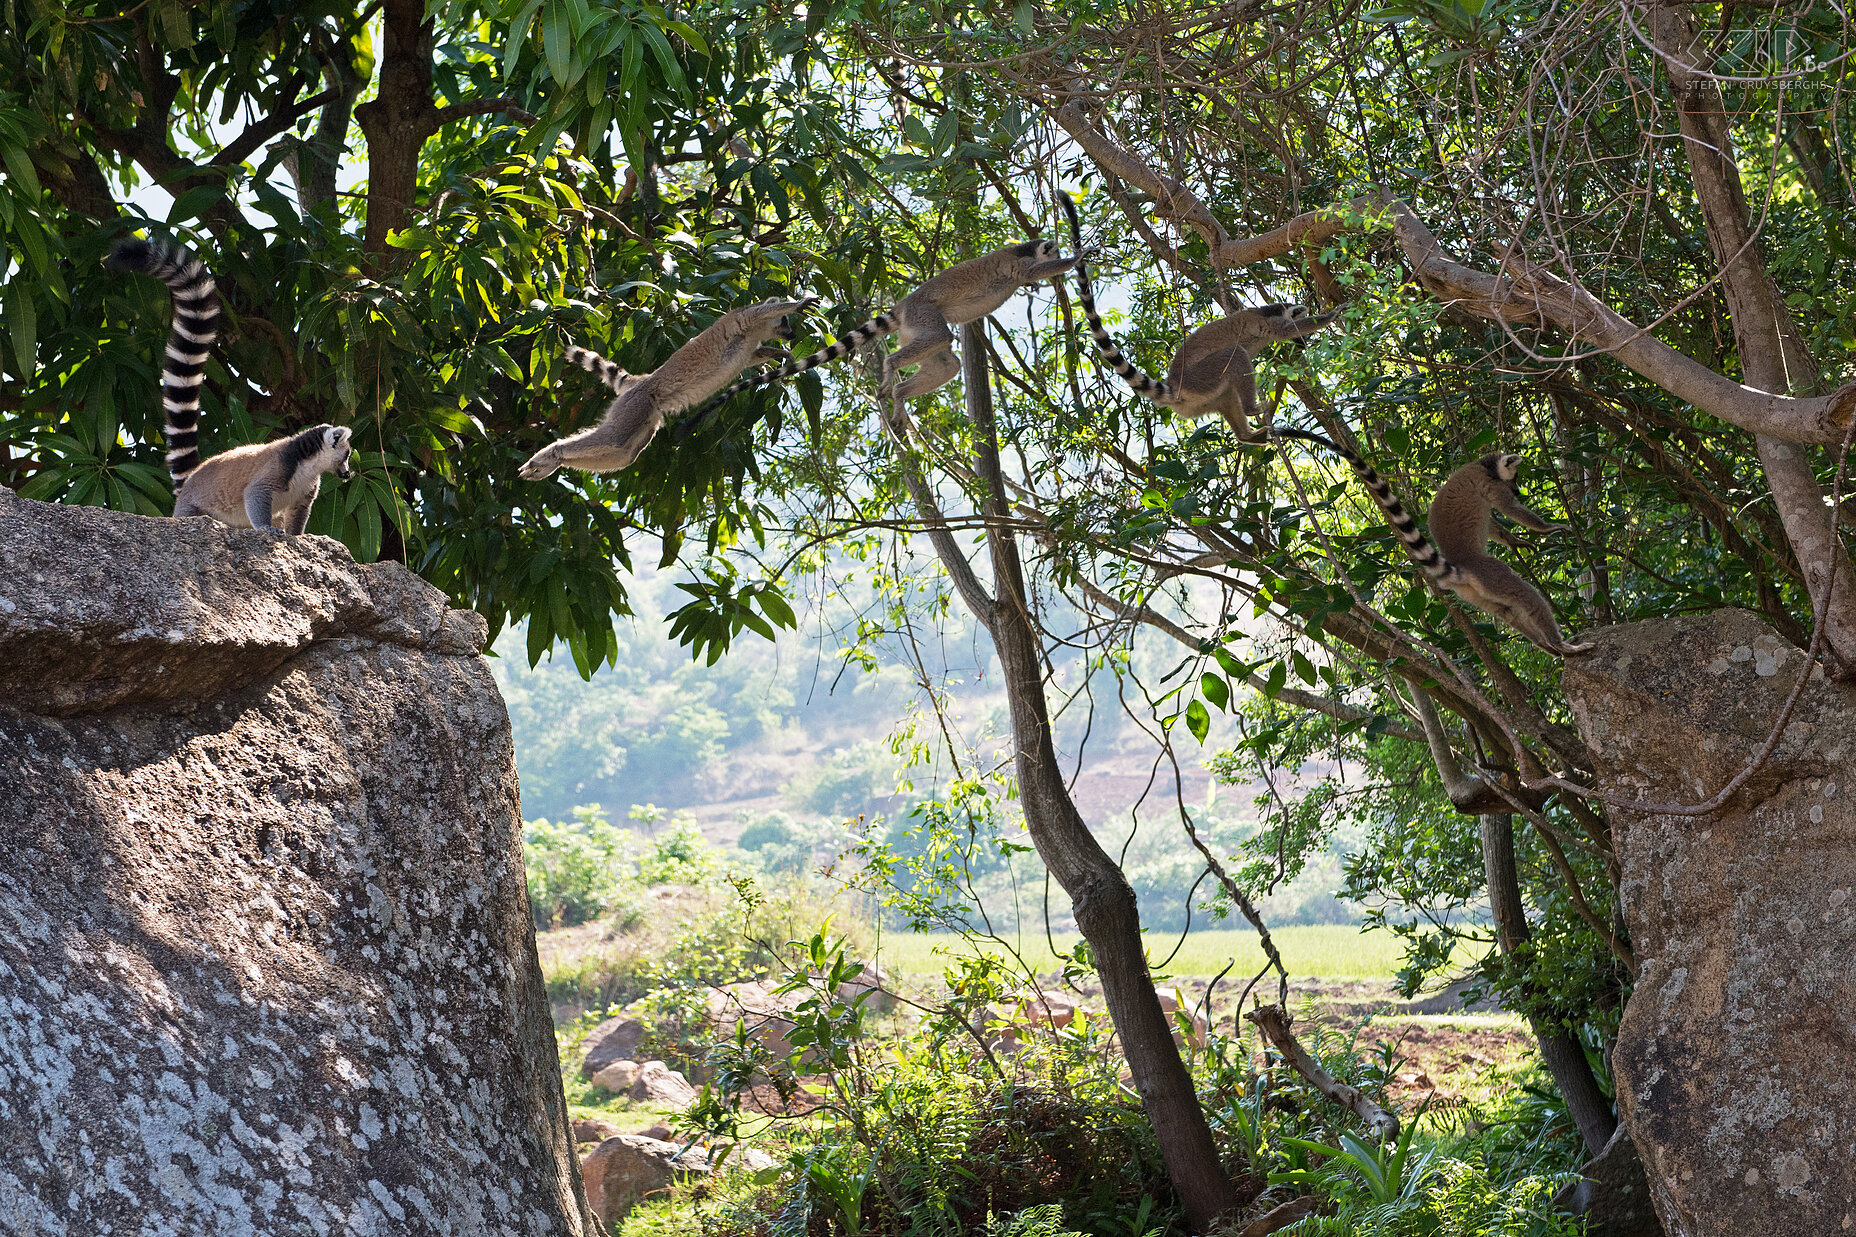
(397, 121)
(1561, 1054)
(1103, 902)
(1773, 356)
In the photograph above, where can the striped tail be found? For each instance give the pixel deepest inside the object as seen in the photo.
(843, 346)
(195, 327)
(1417, 545)
(593, 363)
(1143, 384)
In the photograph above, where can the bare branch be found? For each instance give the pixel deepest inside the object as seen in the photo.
(1468, 794)
(1527, 293)
(258, 132)
(1274, 1021)
(1531, 293)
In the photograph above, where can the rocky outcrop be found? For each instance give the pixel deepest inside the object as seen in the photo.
(626, 1169)
(648, 1082)
(616, 1039)
(593, 1130)
(266, 962)
(1736, 1060)
(1611, 1193)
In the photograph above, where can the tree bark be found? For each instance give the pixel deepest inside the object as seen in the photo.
(320, 157)
(1562, 1055)
(1773, 356)
(1103, 902)
(397, 120)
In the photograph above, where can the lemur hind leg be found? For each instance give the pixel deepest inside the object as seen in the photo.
(925, 333)
(937, 370)
(1226, 380)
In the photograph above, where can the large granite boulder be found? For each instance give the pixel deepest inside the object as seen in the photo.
(626, 1169)
(648, 1082)
(1611, 1193)
(1736, 1060)
(267, 965)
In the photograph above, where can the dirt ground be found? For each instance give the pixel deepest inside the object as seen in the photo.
(1444, 1051)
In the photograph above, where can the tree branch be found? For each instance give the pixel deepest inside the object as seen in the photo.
(954, 561)
(478, 107)
(1468, 794)
(259, 132)
(1530, 293)
(1273, 1021)
(1526, 293)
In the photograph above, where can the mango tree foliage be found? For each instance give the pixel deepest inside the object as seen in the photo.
(520, 132)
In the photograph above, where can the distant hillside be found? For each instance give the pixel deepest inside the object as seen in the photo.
(816, 729)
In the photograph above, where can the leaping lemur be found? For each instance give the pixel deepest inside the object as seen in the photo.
(923, 319)
(1215, 369)
(640, 402)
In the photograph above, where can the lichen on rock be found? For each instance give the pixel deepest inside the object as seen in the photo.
(1736, 1060)
(266, 960)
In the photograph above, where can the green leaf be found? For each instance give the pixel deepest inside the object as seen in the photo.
(1215, 690)
(556, 41)
(367, 517)
(1279, 675)
(44, 483)
(690, 35)
(19, 167)
(1304, 669)
(174, 24)
(22, 323)
(558, 610)
(194, 203)
(540, 634)
(1198, 721)
(775, 607)
(666, 58)
(812, 398)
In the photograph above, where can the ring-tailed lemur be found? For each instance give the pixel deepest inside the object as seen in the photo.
(923, 319)
(1456, 554)
(640, 402)
(1215, 369)
(247, 487)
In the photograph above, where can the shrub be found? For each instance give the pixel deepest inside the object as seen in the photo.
(773, 829)
(933, 1133)
(575, 871)
(782, 845)
(857, 780)
(679, 855)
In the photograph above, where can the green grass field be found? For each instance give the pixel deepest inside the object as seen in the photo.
(1325, 951)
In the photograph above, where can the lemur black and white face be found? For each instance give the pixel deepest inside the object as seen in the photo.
(1506, 467)
(1040, 260)
(1293, 321)
(337, 450)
